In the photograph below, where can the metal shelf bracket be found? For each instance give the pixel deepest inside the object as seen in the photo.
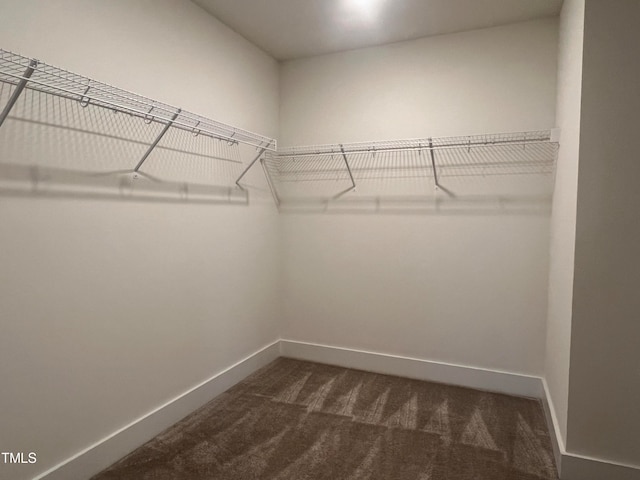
(274, 192)
(157, 140)
(19, 88)
(433, 163)
(262, 150)
(344, 155)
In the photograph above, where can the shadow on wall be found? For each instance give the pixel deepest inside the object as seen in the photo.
(483, 174)
(36, 181)
(58, 147)
(55, 146)
(512, 194)
(461, 205)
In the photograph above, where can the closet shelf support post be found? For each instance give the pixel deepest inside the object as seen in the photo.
(157, 140)
(262, 150)
(272, 187)
(19, 88)
(344, 155)
(433, 163)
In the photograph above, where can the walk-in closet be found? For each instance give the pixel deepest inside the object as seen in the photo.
(337, 240)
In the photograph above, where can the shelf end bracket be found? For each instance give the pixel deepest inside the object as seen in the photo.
(433, 163)
(19, 88)
(344, 155)
(272, 187)
(262, 150)
(157, 140)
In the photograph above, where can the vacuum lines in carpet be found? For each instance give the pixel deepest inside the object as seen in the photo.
(296, 420)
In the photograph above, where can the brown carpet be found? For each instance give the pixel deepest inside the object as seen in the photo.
(297, 420)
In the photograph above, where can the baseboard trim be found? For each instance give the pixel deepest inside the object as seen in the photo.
(572, 466)
(105, 452)
(579, 467)
(553, 425)
(472, 377)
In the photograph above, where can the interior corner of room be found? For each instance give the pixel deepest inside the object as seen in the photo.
(450, 198)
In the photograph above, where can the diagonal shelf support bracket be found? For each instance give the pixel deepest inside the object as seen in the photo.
(262, 150)
(344, 155)
(19, 88)
(272, 187)
(157, 140)
(433, 163)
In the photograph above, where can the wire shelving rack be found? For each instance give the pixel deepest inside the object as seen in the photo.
(332, 171)
(156, 140)
(40, 94)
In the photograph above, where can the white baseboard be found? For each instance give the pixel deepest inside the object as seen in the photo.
(110, 449)
(578, 467)
(472, 377)
(553, 425)
(572, 466)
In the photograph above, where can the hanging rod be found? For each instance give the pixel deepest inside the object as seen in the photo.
(14, 69)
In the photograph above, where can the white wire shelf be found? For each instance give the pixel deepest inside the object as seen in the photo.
(39, 76)
(59, 121)
(70, 120)
(470, 141)
(331, 171)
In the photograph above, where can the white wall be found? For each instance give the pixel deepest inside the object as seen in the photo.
(109, 309)
(604, 389)
(563, 217)
(463, 287)
(496, 79)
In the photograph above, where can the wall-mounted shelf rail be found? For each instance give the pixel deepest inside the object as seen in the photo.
(331, 171)
(16, 69)
(152, 139)
(163, 143)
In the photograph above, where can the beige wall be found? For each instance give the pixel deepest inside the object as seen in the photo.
(109, 308)
(496, 79)
(563, 217)
(97, 295)
(604, 387)
(169, 50)
(461, 287)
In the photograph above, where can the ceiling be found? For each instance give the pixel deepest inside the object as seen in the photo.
(289, 29)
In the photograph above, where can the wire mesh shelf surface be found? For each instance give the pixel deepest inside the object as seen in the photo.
(46, 78)
(79, 124)
(74, 128)
(401, 166)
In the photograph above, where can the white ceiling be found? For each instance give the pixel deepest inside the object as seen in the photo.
(288, 29)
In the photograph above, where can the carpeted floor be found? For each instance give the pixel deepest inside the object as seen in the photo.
(297, 420)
